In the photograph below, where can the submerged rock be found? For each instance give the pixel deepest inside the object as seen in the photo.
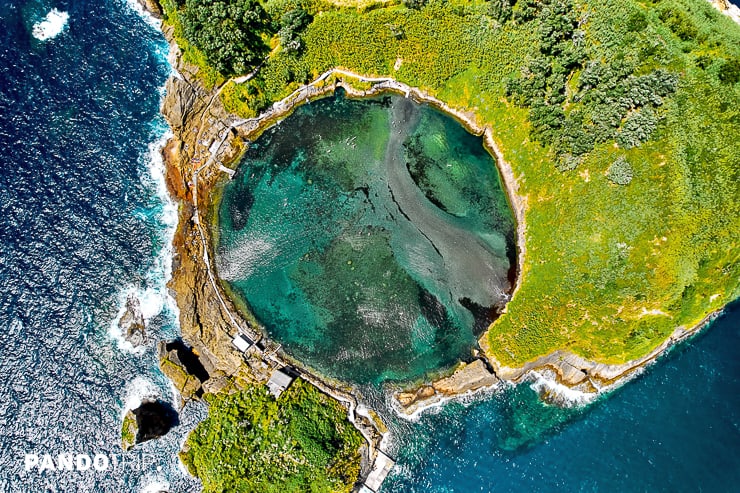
(132, 323)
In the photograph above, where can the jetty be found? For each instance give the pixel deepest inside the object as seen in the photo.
(381, 467)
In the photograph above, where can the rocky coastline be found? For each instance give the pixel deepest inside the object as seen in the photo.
(207, 143)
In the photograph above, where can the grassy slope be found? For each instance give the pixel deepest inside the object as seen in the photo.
(251, 442)
(598, 255)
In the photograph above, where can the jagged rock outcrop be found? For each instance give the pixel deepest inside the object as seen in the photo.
(179, 103)
(152, 6)
(184, 368)
(132, 323)
(129, 429)
(467, 378)
(720, 5)
(727, 8)
(152, 419)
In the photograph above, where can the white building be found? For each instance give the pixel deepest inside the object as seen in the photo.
(279, 381)
(242, 342)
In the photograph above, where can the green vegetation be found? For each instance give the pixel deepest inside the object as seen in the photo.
(292, 24)
(620, 172)
(611, 101)
(621, 120)
(128, 431)
(228, 32)
(250, 442)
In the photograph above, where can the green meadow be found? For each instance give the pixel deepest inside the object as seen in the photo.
(620, 119)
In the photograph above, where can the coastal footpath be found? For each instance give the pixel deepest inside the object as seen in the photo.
(208, 139)
(562, 368)
(225, 135)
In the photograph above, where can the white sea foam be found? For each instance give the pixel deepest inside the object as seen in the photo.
(139, 9)
(151, 303)
(155, 485)
(733, 12)
(564, 395)
(51, 26)
(138, 390)
(154, 298)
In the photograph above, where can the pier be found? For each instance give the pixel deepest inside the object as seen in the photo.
(381, 467)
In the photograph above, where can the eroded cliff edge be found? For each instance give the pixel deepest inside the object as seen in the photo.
(207, 141)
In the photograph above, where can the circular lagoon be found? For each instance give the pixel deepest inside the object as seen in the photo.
(372, 238)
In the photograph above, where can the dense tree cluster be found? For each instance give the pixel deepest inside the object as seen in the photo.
(251, 442)
(228, 32)
(620, 104)
(611, 103)
(542, 85)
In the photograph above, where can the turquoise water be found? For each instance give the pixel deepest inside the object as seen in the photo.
(371, 238)
(674, 428)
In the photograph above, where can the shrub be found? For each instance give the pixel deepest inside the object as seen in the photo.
(637, 21)
(567, 162)
(292, 23)
(620, 172)
(679, 23)
(415, 4)
(526, 10)
(637, 128)
(501, 10)
(729, 72)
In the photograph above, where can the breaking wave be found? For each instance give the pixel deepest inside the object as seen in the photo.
(51, 26)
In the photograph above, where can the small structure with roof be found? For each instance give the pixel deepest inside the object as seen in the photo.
(242, 342)
(279, 381)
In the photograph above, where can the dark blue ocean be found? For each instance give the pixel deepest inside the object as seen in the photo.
(675, 428)
(84, 221)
